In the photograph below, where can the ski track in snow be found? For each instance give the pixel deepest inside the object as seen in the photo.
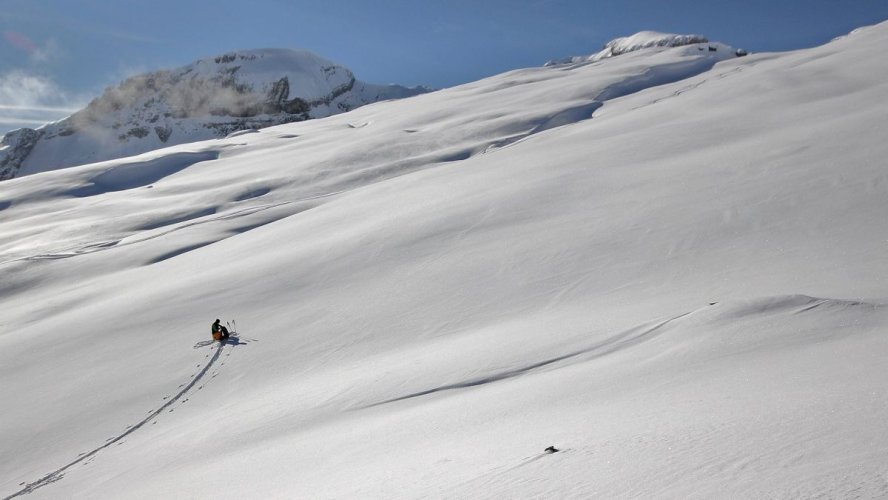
(694, 85)
(58, 474)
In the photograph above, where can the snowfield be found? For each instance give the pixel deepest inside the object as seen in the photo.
(668, 264)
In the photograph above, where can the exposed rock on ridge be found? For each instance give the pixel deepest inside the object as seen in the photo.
(14, 148)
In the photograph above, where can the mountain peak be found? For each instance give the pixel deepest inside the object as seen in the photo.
(647, 39)
(209, 98)
(632, 43)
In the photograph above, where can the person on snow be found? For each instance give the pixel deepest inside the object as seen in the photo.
(219, 332)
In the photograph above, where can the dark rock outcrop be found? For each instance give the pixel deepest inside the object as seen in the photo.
(19, 144)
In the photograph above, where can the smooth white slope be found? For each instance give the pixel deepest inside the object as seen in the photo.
(432, 291)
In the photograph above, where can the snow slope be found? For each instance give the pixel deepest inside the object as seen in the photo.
(669, 267)
(207, 99)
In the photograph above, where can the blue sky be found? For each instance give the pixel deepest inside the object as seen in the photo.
(55, 55)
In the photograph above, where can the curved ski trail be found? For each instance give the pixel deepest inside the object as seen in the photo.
(58, 474)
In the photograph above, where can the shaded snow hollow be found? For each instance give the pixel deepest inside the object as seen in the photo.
(668, 267)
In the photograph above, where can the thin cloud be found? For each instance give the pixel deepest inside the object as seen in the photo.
(20, 41)
(23, 89)
(51, 109)
(27, 99)
(22, 121)
(131, 37)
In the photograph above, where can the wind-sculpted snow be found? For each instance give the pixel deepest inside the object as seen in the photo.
(141, 174)
(470, 132)
(669, 265)
(620, 341)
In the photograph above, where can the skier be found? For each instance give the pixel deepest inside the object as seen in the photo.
(220, 333)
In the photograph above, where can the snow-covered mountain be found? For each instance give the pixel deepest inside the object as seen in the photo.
(207, 99)
(669, 265)
(647, 40)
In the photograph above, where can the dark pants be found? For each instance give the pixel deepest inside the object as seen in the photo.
(221, 333)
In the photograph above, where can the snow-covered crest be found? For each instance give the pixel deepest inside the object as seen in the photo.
(638, 41)
(647, 39)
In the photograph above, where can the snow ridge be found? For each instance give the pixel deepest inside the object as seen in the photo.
(638, 41)
(647, 39)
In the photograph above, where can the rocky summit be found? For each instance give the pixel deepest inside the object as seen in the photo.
(207, 99)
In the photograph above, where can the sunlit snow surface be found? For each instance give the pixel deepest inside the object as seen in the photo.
(674, 272)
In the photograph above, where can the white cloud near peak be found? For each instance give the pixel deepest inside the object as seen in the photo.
(28, 99)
